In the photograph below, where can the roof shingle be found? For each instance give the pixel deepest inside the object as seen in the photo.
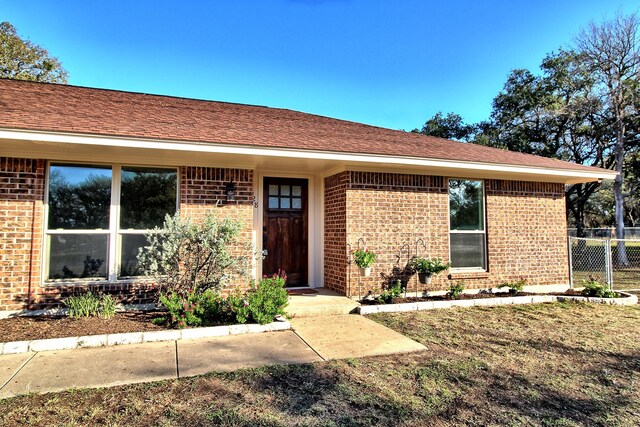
(63, 108)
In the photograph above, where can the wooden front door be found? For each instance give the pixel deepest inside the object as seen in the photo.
(284, 229)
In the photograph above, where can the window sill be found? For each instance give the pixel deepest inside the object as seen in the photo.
(84, 283)
(468, 274)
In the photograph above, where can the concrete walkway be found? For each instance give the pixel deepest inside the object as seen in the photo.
(314, 339)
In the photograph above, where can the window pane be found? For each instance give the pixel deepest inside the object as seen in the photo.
(285, 190)
(273, 202)
(147, 195)
(78, 255)
(296, 203)
(468, 250)
(296, 190)
(285, 203)
(79, 197)
(273, 190)
(129, 253)
(466, 205)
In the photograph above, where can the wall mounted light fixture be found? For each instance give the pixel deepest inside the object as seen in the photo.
(231, 191)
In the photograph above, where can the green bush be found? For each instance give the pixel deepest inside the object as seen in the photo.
(268, 299)
(516, 287)
(387, 296)
(185, 256)
(193, 309)
(593, 288)
(90, 305)
(260, 304)
(455, 290)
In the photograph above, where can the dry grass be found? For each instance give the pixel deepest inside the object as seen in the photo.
(552, 365)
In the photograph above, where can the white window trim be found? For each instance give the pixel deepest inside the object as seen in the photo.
(114, 241)
(484, 268)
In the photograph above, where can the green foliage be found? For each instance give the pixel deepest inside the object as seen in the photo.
(239, 306)
(364, 258)
(451, 126)
(268, 299)
(455, 290)
(387, 296)
(429, 265)
(90, 305)
(516, 287)
(260, 304)
(593, 288)
(193, 309)
(184, 256)
(23, 60)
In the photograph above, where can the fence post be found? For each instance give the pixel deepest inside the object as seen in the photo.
(570, 263)
(609, 263)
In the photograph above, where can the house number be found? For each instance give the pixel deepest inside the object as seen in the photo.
(255, 202)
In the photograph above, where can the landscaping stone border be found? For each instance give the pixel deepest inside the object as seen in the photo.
(68, 343)
(628, 299)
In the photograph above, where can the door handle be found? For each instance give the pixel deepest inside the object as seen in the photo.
(265, 253)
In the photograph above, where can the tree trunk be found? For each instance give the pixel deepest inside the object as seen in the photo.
(621, 257)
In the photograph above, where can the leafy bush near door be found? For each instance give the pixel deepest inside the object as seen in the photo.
(186, 256)
(260, 304)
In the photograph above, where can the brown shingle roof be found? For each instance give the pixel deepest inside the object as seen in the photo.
(62, 108)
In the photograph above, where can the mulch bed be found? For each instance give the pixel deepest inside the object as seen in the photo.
(480, 295)
(36, 328)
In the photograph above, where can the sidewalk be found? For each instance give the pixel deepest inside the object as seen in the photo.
(314, 339)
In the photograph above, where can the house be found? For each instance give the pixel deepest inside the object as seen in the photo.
(84, 172)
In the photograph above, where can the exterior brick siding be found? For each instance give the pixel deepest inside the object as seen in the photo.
(22, 192)
(395, 213)
(21, 215)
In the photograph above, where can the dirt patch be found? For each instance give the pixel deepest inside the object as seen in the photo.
(560, 364)
(36, 328)
(480, 295)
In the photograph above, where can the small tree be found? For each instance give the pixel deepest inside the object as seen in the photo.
(187, 256)
(23, 60)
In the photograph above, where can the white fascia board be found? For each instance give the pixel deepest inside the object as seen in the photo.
(219, 148)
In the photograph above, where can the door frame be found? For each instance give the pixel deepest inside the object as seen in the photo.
(313, 251)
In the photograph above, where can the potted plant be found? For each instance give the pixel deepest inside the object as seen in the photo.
(426, 267)
(364, 258)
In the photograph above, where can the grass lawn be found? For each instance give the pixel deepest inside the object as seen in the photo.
(552, 365)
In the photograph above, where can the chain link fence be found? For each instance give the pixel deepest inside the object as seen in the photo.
(606, 233)
(615, 262)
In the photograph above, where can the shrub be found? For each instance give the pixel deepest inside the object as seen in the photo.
(192, 309)
(268, 299)
(184, 256)
(455, 290)
(262, 303)
(364, 258)
(429, 265)
(90, 305)
(387, 296)
(516, 287)
(593, 288)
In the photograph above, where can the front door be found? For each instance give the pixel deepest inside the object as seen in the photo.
(284, 229)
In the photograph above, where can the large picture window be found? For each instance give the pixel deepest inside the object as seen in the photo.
(98, 216)
(468, 248)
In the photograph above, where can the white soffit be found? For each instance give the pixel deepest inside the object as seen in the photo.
(568, 175)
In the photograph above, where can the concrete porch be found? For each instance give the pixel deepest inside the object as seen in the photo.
(321, 302)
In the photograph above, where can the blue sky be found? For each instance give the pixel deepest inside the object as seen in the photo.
(387, 63)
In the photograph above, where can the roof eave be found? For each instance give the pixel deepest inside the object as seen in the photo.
(571, 176)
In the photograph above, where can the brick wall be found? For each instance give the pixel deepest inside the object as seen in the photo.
(335, 232)
(203, 190)
(22, 183)
(21, 207)
(395, 213)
